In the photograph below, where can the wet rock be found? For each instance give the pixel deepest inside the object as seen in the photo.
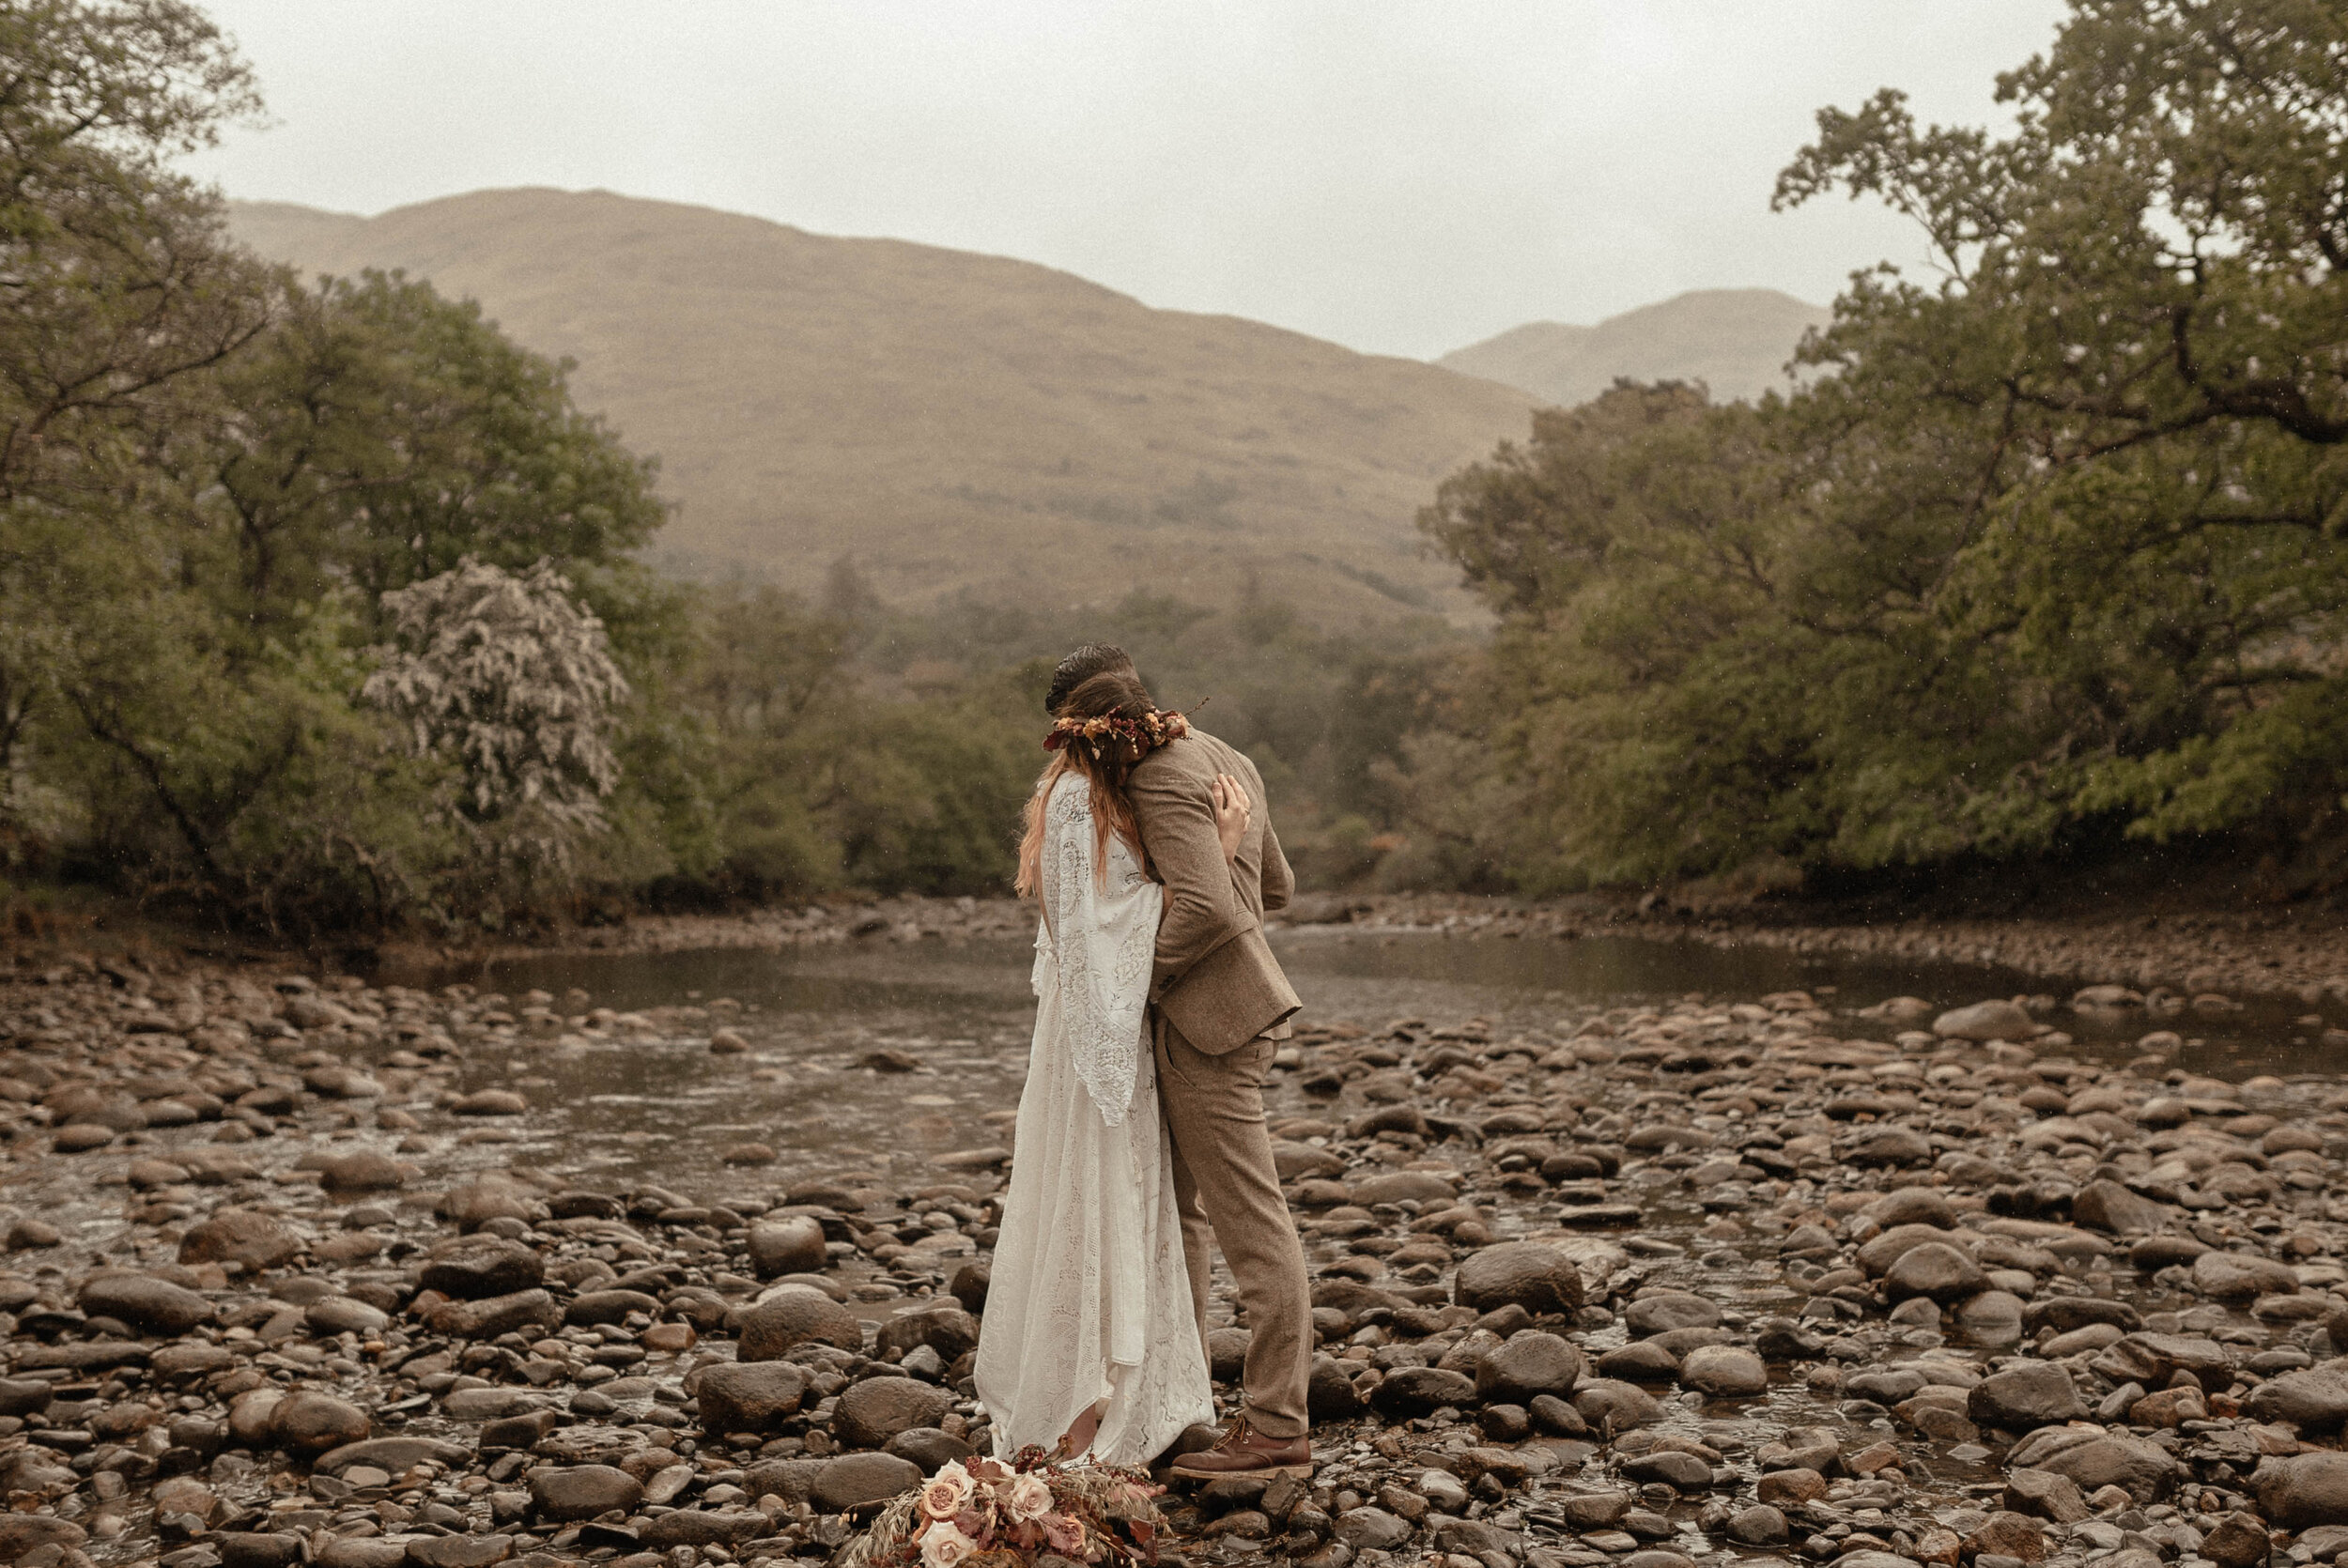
(608, 1306)
(945, 1329)
(258, 1548)
(1985, 1021)
(1724, 1371)
(792, 1315)
(2154, 1360)
(2143, 1470)
(458, 1551)
(1610, 1404)
(877, 1409)
(1683, 1471)
(1371, 1529)
(1643, 1361)
(2045, 1495)
(339, 1315)
(1890, 1147)
(1330, 1394)
(397, 1456)
(749, 1396)
(480, 1202)
(1760, 1525)
(1529, 1274)
(2107, 1205)
(491, 1102)
(1993, 1318)
(474, 1268)
(361, 1171)
(850, 1480)
(2008, 1534)
(1667, 1312)
(1935, 1270)
(970, 1285)
(788, 1246)
(929, 1447)
(1527, 1366)
(2241, 1276)
(147, 1304)
(238, 1236)
(1913, 1205)
(2304, 1490)
(24, 1534)
(1418, 1390)
(1791, 1488)
(1395, 1187)
(2312, 1401)
(2025, 1396)
(2238, 1541)
(25, 1396)
(689, 1527)
(492, 1317)
(563, 1492)
(317, 1421)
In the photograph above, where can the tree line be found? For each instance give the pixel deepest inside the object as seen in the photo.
(321, 608)
(2044, 558)
(320, 601)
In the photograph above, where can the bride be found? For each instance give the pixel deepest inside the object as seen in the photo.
(1090, 1337)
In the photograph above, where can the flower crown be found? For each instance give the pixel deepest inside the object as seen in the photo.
(1147, 733)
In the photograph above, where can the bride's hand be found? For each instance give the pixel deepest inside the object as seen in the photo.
(1232, 810)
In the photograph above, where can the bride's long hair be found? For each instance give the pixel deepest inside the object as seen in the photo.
(1106, 762)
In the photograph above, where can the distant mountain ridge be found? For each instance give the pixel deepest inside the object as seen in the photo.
(949, 420)
(1735, 341)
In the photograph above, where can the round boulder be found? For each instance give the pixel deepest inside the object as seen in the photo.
(242, 1237)
(1528, 1274)
(792, 1315)
(877, 1409)
(148, 1304)
(1724, 1371)
(749, 1396)
(475, 1267)
(316, 1421)
(1527, 1366)
(792, 1245)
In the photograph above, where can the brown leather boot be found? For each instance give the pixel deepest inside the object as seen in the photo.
(1244, 1450)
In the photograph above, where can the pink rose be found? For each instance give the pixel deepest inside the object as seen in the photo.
(944, 1493)
(1026, 1497)
(944, 1546)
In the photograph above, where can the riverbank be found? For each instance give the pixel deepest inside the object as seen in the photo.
(2186, 955)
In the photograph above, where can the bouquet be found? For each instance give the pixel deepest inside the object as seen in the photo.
(987, 1514)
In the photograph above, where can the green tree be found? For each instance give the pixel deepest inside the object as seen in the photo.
(2048, 549)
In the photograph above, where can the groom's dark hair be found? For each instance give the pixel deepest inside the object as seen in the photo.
(1093, 658)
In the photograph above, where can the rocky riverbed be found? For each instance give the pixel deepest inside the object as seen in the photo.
(1711, 1280)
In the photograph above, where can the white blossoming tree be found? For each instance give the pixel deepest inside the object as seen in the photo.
(507, 678)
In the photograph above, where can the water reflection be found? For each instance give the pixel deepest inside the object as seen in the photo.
(658, 1105)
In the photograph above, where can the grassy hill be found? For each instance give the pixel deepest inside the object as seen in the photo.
(1735, 340)
(949, 420)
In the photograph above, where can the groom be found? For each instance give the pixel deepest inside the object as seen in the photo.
(1219, 1004)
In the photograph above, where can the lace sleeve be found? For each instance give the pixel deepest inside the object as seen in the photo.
(1101, 941)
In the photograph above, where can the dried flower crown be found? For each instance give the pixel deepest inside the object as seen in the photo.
(1152, 729)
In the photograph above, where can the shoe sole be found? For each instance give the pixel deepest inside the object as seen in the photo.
(1302, 1472)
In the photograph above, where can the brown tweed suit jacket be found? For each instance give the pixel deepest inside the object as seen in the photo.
(1216, 978)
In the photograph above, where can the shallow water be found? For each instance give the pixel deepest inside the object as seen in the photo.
(663, 1107)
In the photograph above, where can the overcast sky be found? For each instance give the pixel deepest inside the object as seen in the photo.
(1402, 177)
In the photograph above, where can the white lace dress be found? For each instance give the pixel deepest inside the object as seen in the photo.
(1089, 1297)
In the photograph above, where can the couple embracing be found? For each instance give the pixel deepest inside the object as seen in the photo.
(1141, 1128)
